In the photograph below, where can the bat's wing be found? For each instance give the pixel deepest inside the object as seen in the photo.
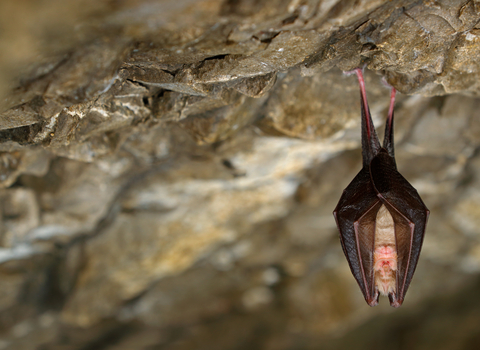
(409, 214)
(355, 215)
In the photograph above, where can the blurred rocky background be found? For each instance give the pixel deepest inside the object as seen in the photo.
(169, 169)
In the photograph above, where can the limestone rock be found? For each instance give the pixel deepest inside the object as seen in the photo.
(168, 171)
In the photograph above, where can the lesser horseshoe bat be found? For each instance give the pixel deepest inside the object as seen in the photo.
(380, 216)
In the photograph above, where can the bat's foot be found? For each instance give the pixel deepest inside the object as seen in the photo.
(392, 103)
(386, 84)
(350, 72)
(394, 91)
(361, 81)
(356, 71)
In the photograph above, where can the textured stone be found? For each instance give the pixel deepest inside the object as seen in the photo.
(168, 171)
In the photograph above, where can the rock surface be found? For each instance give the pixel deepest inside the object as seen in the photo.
(169, 169)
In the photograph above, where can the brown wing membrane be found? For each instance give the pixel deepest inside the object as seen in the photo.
(365, 238)
(409, 214)
(355, 216)
(379, 183)
(404, 232)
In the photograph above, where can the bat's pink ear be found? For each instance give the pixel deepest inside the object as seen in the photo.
(394, 301)
(374, 300)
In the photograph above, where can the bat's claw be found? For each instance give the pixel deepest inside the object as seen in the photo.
(355, 71)
(351, 72)
(386, 84)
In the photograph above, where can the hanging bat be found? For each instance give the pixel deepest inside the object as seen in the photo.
(380, 216)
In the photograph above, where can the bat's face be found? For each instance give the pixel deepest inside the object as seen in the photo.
(381, 217)
(385, 253)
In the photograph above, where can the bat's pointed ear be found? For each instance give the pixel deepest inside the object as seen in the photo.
(394, 301)
(374, 300)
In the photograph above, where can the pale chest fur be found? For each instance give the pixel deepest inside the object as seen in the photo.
(385, 254)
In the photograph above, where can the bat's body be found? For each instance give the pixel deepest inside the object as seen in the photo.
(380, 216)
